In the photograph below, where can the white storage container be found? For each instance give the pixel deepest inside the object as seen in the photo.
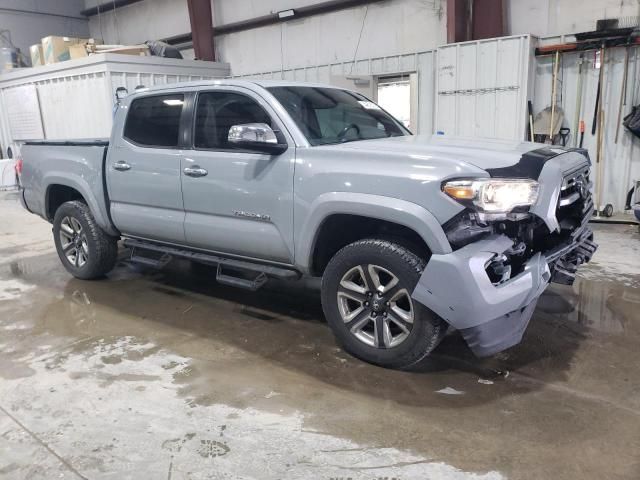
(75, 99)
(482, 87)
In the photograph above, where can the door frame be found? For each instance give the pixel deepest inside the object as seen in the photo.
(283, 124)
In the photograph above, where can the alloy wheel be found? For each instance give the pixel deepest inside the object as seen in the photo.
(374, 306)
(73, 242)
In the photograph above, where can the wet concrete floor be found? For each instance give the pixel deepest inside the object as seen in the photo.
(167, 375)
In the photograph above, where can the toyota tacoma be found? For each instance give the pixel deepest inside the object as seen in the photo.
(410, 234)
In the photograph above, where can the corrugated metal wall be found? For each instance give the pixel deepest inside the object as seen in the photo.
(483, 87)
(65, 111)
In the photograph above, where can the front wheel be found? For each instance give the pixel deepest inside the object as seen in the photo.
(85, 250)
(366, 298)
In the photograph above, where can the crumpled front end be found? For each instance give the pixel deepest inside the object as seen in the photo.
(488, 287)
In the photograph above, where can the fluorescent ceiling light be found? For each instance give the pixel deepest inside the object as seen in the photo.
(286, 14)
(172, 102)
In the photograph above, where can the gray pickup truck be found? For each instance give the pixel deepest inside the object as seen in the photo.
(410, 234)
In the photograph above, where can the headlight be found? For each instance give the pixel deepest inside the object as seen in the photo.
(493, 195)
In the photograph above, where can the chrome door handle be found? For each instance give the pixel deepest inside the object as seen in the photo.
(121, 166)
(195, 171)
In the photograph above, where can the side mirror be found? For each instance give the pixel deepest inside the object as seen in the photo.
(256, 136)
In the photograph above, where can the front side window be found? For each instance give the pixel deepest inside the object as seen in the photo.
(155, 121)
(217, 112)
(330, 115)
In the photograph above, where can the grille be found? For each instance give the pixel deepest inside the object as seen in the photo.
(575, 244)
(575, 204)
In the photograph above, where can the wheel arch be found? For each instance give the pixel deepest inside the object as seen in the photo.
(412, 222)
(57, 194)
(74, 188)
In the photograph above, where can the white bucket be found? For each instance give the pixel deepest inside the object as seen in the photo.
(7, 173)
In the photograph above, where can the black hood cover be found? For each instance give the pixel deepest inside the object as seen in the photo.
(531, 163)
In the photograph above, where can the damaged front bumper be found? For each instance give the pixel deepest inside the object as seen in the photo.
(493, 316)
(474, 289)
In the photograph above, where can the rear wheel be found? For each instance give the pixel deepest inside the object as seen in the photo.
(366, 297)
(85, 250)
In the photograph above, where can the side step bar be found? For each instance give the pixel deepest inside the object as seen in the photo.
(162, 254)
(159, 261)
(252, 284)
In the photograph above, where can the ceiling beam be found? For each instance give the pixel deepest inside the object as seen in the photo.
(291, 14)
(275, 18)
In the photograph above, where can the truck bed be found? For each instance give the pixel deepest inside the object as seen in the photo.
(77, 164)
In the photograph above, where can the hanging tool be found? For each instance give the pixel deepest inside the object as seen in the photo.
(576, 118)
(553, 96)
(581, 133)
(543, 126)
(530, 107)
(623, 92)
(564, 135)
(600, 139)
(596, 108)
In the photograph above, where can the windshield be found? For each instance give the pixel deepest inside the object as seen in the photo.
(329, 115)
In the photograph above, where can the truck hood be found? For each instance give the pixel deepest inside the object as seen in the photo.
(497, 157)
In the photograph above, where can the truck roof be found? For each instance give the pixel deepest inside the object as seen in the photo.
(250, 83)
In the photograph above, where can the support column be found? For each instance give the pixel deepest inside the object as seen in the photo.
(487, 19)
(458, 21)
(474, 19)
(201, 19)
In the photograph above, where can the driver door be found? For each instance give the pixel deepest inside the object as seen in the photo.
(238, 202)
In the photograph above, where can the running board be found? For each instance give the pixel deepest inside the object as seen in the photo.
(160, 262)
(252, 284)
(262, 271)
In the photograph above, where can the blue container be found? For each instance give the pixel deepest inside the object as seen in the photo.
(8, 58)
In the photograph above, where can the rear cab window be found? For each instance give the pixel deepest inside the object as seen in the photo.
(154, 121)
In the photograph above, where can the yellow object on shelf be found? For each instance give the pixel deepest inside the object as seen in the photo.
(37, 56)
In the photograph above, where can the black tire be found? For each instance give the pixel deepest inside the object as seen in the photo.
(102, 248)
(608, 210)
(427, 329)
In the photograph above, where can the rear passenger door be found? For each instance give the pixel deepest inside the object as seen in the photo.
(243, 204)
(143, 169)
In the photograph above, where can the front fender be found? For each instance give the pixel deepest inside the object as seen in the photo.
(92, 191)
(379, 207)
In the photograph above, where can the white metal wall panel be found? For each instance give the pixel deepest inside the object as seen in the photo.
(21, 111)
(75, 107)
(446, 81)
(487, 77)
(482, 88)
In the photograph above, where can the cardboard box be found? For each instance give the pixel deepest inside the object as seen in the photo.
(37, 58)
(56, 49)
(78, 51)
